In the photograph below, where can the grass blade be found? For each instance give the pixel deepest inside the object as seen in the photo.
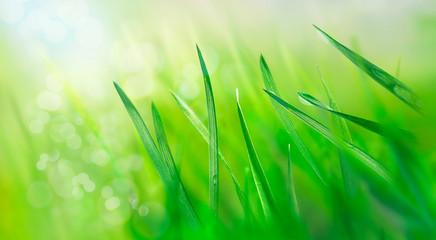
(381, 129)
(339, 122)
(170, 182)
(213, 139)
(286, 120)
(179, 189)
(350, 181)
(291, 185)
(266, 198)
(395, 86)
(364, 157)
(201, 128)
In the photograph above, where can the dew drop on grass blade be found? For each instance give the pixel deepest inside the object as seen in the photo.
(395, 86)
(201, 128)
(170, 182)
(213, 139)
(286, 120)
(260, 180)
(364, 157)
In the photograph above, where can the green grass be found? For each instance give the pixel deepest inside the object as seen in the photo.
(395, 86)
(213, 139)
(317, 168)
(163, 160)
(357, 167)
(263, 189)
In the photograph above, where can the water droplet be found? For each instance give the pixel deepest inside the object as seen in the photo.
(349, 145)
(405, 94)
(304, 101)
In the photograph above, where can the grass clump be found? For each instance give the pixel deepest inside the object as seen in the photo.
(366, 191)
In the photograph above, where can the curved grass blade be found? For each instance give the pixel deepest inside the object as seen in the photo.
(381, 129)
(179, 189)
(266, 198)
(349, 179)
(286, 120)
(170, 182)
(201, 128)
(395, 86)
(364, 157)
(213, 139)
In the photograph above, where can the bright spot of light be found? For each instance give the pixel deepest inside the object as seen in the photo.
(49, 101)
(90, 33)
(189, 89)
(89, 186)
(36, 126)
(43, 116)
(11, 11)
(112, 203)
(54, 82)
(107, 192)
(72, 12)
(100, 157)
(139, 86)
(36, 19)
(74, 142)
(54, 31)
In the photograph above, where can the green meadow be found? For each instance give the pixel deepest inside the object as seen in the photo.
(205, 120)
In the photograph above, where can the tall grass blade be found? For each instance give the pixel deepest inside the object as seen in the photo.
(339, 122)
(381, 129)
(364, 157)
(392, 84)
(286, 120)
(349, 179)
(179, 189)
(265, 195)
(213, 139)
(201, 128)
(169, 180)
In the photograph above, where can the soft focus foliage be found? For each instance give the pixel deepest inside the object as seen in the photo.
(72, 165)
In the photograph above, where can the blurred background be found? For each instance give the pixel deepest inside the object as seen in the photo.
(72, 165)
